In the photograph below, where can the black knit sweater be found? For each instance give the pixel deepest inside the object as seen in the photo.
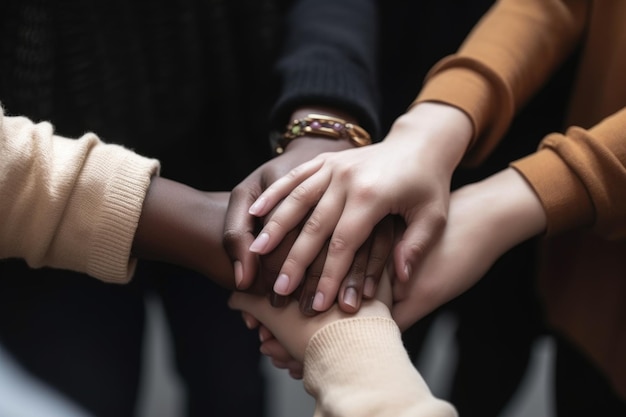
(171, 78)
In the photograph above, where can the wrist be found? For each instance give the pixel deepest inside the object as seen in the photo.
(183, 226)
(443, 131)
(510, 209)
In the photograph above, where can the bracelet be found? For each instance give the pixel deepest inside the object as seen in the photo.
(326, 126)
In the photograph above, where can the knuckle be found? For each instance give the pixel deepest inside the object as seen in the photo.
(329, 286)
(357, 269)
(417, 249)
(338, 245)
(291, 266)
(294, 173)
(302, 194)
(376, 259)
(440, 219)
(366, 191)
(313, 225)
(273, 225)
(231, 238)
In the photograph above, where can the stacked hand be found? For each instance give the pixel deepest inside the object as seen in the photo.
(285, 332)
(241, 228)
(486, 219)
(342, 196)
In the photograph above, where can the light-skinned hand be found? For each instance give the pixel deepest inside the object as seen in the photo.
(342, 196)
(241, 227)
(486, 219)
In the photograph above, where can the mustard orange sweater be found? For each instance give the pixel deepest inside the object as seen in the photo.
(579, 175)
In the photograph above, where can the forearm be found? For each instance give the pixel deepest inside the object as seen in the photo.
(507, 209)
(183, 226)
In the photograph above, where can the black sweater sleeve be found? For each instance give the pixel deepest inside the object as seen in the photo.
(330, 59)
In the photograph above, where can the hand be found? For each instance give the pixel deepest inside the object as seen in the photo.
(360, 282)
(362, 279)
(486, 219)
(286, 332)
(241, 228)
(346, 194)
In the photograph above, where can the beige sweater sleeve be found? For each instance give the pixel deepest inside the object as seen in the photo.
(70, 204)
(358, 367)
(508, 55)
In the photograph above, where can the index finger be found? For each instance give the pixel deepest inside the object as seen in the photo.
(282, 187)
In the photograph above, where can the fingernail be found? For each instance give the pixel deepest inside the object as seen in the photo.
(307, 306)
(257, 206)
(248, 322)
(369, 289)
(407, 270)
(349, 297)
(282, 284)
(318, 301)
(238, 269)
(264, 350)
(260, 242)
(277, 300)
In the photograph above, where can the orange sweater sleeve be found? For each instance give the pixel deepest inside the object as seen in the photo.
(504, 60)
(580, 177)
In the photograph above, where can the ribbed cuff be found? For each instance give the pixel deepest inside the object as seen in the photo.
(562, 194)
(110, 260)
(330, 85)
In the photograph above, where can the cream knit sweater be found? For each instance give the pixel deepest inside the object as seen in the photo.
(69, 203)
(358, 367)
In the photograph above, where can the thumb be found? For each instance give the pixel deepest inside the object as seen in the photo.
(416, 241)
(259, 306)
(246, 302)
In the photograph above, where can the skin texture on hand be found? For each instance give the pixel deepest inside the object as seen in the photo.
(342, 196)
(241, 227)
(486, 219)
